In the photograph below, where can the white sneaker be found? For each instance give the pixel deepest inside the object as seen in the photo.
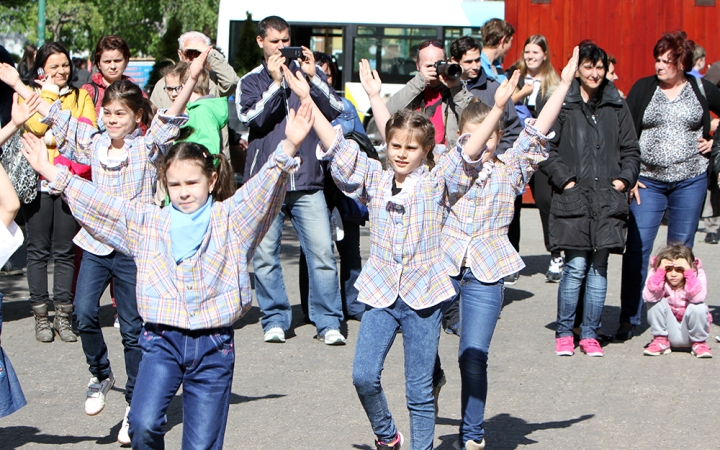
(554, 272)
(275, 334)
(332, 337)
(117, 322)
(123, 436)
(96, 392)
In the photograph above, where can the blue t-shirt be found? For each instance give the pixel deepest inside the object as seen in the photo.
(494, 70)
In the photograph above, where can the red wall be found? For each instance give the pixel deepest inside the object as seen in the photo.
(627, 29)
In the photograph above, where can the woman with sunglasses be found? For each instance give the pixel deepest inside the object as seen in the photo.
(675, 293)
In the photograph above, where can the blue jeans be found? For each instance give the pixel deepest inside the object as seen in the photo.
(421, 334)
(480, 305)
(589, 266)
(684, 202)
(203, 362)
(94, 277)
(308, 213)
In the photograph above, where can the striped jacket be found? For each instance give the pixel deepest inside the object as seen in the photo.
(477, 224)
(263, 106)
(132, 179)
(208, 290)
(406, 259)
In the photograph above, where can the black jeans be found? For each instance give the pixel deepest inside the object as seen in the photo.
(542, 193)
(51, 228)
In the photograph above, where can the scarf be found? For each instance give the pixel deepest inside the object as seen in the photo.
(187, 231)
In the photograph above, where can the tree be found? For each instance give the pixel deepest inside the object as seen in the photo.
(248, 55)
(166, 50)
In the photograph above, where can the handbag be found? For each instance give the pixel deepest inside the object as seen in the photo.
(22, 176)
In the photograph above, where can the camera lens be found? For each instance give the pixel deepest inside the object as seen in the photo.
(450, 71)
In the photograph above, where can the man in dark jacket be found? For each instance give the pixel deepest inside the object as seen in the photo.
(594, 160)
(262, 101)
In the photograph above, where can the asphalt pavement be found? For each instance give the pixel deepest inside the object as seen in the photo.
(299, 395)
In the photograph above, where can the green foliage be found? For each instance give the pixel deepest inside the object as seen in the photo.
(78, 24)
(166, 53)
(249, 54)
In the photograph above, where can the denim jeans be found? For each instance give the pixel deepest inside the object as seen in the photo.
(350, 268)
(95, 274)
(480, 305)
(589, 266)
(203, 362)
(50, 229)
(684, 202)
(308, 213)
(421, 334)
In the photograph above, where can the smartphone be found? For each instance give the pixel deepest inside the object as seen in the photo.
(292, 52)
(41, 74)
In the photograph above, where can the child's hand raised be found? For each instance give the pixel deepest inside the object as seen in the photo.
(9, 75)
(369, 79)
(297, 128)
(21, 112)
(568, 73)
(297, 84)
(36, 152)
(506, 89)
(682, 263)
(198, 63)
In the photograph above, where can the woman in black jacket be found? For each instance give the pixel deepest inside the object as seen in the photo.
(594, 161)
(671, 112)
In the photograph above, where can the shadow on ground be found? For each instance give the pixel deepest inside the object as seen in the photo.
(19, 436)
(507, 432)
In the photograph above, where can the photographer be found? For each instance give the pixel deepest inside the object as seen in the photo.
(440, 97)
(263, 102)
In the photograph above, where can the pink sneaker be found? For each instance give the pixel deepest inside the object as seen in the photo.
(591, 347)
(659, 346)
(565, 346)
(701, 350)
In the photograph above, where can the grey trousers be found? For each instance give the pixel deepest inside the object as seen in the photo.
(692, 328)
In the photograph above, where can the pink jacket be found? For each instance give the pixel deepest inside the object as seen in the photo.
(694, 291)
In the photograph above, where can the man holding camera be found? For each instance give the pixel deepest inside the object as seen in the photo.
(436, 90)
(263, 100)
(222, 76)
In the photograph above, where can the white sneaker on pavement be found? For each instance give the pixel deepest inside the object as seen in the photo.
(554, 272)
(275, 334)
(96, 392)
(332, 337)
(123, 436)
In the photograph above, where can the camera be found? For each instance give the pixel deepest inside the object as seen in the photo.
(451, 71)
(291, 53)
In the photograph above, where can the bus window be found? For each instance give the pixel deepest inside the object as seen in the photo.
(390, 50)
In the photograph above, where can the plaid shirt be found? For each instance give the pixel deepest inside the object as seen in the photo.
(406, 259)
(134, 178)
(476, 227)
(208, 290)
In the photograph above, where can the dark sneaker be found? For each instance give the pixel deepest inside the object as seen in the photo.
(394, 445)
(711, 238)
(511, 279)
(625, 332)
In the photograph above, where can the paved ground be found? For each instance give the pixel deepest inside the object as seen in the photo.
(299, 395)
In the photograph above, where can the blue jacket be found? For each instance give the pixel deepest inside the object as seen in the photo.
(263, 106)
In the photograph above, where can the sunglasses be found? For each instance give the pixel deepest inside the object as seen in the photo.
(175, 89)
(191, 54)
(669, 269)
(434, 43)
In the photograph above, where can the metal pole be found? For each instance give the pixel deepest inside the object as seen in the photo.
(41, 23)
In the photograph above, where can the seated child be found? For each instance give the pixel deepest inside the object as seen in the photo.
(675, 292)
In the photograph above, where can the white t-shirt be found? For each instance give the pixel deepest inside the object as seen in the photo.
(11, 239)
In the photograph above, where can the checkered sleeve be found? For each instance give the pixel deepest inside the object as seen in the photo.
(257, 203)
(111, 220)
(356, 175)
(528, 151)
(73, 138)
(162, 133)
(456, 171)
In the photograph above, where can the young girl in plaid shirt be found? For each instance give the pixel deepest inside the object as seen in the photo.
(475, 238)
(406, 277)
(193, 281)
(123, 161)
